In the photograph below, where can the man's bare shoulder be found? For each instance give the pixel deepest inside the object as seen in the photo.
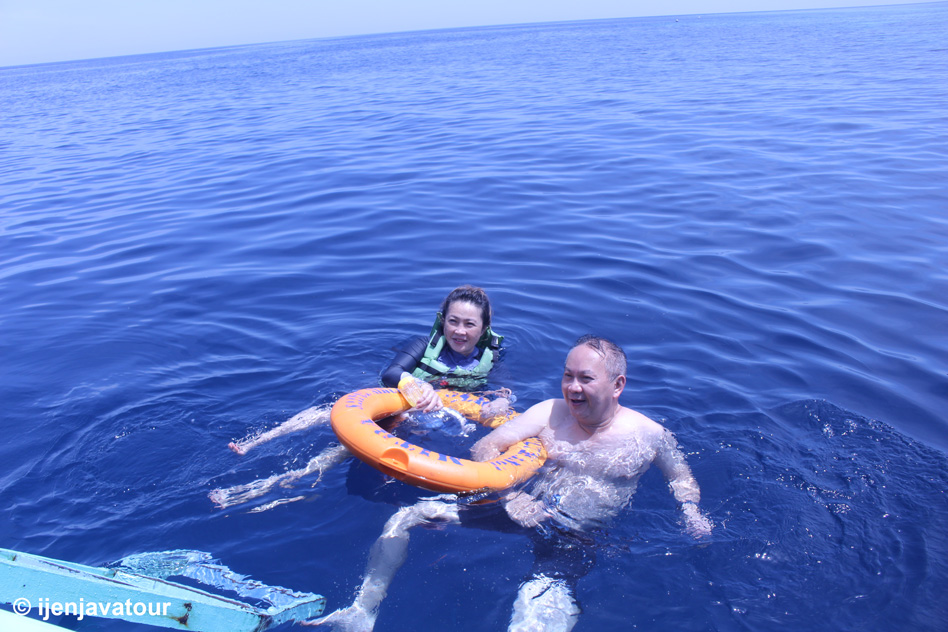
(632, 422)
(542, 410)
(534, 419)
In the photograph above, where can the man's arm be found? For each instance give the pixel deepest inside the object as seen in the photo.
(529, 424)
(684, 487)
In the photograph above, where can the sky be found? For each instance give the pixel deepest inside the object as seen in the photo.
(40, 31)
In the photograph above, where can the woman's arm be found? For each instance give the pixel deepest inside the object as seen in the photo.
(406, 359)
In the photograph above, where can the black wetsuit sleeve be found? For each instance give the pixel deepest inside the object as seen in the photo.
(406, 359)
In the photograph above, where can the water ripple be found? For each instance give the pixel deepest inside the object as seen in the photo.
(195, 246)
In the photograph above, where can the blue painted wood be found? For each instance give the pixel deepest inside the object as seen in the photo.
(53, 587)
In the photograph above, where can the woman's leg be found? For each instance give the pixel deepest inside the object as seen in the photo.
(315, 416)
(322, 463)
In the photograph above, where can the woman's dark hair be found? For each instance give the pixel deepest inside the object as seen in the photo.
(469, 294)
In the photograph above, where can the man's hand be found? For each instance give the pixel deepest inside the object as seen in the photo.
(525, 510)
(484, 450)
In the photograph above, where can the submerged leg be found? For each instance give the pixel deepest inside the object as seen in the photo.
(314, 416)
(544, 605)
(322, 463)
(386, 557)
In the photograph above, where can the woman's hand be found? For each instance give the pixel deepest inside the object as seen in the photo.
(499, 407)
(429, 401)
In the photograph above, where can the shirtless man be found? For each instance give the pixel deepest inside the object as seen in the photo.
(597, 450)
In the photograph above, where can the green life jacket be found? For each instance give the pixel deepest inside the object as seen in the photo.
(433, 370)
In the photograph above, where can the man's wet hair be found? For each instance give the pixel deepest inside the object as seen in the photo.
(616, 362)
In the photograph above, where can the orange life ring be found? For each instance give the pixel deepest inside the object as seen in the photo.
(353, 420)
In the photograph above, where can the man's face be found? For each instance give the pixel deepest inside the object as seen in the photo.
(589, 392)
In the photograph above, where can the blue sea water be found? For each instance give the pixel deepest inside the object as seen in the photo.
(194, 246)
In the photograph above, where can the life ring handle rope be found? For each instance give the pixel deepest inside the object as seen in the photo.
(353, 420)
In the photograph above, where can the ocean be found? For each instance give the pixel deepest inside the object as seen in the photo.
(195, 246)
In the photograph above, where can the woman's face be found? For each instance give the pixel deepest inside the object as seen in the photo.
(463, 326)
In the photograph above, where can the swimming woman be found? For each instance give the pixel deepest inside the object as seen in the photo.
(459, 353)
